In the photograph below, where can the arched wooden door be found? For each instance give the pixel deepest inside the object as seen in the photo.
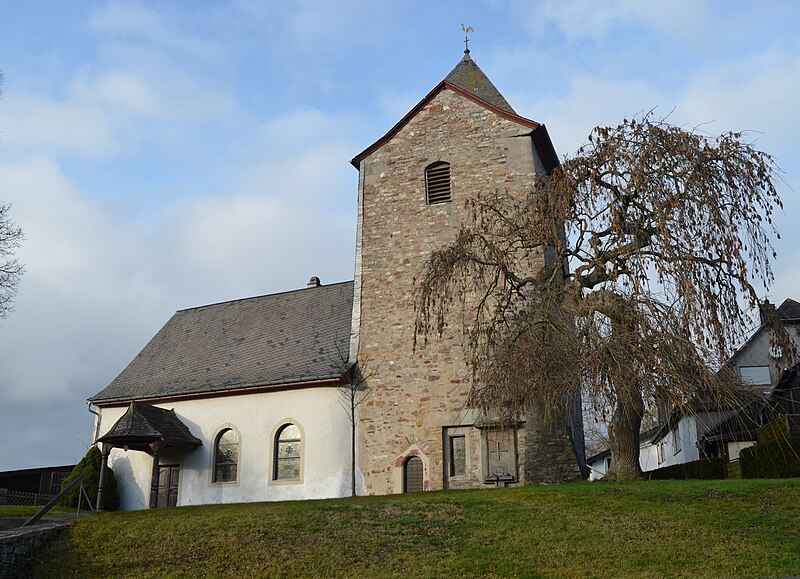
(412, 475)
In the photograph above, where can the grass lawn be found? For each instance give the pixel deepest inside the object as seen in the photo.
(12, 511)
(733, 528)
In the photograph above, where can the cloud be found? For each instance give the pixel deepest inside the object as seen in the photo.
(175, 97)
(41, 124)
(754, 93)
(591, 101)
(138, 30)
(589, 20)
(99, 283)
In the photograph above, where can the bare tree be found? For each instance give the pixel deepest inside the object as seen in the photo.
(665, 232)
(10, 268)
(353, 392)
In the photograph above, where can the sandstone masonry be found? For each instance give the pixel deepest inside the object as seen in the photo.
(418, 399)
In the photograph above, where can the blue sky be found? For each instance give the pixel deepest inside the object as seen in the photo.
(162, 155)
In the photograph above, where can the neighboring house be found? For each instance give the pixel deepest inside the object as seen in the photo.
(762, 366)
(785, 401)
(775, 416)
(240, 401)
(698, 429)
(600, 463)
(757, 362)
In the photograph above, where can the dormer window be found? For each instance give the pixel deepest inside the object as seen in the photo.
(437, 183)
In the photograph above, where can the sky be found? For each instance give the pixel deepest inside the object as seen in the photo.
(164, 155)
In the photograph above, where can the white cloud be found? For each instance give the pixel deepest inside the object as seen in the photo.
(157, 95)
(588, 19)
(121, 91)
(136, 29)
(755, 94)
(38, 124)
(591, 101)
(100, 283)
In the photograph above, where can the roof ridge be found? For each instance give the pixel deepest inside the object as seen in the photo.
(302, 289)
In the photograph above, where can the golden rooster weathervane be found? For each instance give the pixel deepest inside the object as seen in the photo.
(467, 30)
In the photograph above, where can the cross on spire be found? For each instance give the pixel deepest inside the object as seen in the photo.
(467, 30)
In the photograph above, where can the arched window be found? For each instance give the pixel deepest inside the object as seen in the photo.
(288, 453)
(412, 475)
(437, 183)
(226, 456)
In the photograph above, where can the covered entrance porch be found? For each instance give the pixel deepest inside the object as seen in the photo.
(147, 428)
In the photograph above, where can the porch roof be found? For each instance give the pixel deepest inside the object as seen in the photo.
(143, 424)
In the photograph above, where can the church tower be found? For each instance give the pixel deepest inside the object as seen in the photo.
(415, 430)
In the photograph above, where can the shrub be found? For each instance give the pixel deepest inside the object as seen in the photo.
(90, 466)
(776, 459)
(705, 468)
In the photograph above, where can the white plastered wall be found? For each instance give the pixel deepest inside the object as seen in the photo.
(326, 449)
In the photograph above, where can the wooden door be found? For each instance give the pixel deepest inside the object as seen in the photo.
(168, 476)
(412, 475)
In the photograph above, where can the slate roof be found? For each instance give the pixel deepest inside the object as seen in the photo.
(469, 81)
(272, 340)
(143, 422)
(469, 77)
(789, 310)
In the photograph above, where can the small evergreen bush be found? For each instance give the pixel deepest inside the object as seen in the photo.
(90, 466)
(704, 469)
(775, 459)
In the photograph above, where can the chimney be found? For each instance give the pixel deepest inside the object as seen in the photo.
(314, 282)
(766, 311)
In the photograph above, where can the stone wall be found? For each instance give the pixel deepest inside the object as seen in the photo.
(415, 395)
(17, 544)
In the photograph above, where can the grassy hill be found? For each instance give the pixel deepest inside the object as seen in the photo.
(652, 529)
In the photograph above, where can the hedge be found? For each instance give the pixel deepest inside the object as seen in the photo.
(90, 466)
(705, 468)
(776, 459)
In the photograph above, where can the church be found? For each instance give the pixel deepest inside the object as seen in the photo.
(247, 400)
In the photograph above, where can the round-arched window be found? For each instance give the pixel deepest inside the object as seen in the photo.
(288, 453)
(226, 456)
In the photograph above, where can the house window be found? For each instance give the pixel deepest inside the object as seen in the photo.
(500, 455)
(458, 455)
(676, 441)
(437, 183)
(660, 448)
(226, 456)
(288, 453)
(755, 375)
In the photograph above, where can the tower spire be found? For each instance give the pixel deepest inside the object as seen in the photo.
(467, 30)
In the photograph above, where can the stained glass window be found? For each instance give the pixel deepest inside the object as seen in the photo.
(226, 456)
(288, 453)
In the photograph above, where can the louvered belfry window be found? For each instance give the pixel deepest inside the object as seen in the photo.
(437, 183)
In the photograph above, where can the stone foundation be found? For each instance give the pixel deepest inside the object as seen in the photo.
(17, 544)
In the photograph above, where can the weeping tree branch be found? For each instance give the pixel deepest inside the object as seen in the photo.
(669, 233)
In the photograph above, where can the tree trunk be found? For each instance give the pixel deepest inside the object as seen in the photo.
(549, 453)
(353, 452)
(623, 434)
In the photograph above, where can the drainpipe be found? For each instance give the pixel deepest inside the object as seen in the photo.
(96, 422)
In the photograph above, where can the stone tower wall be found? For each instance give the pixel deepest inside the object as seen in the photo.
(415, 396)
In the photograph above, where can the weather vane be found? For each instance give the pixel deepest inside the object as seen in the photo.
(467, 30)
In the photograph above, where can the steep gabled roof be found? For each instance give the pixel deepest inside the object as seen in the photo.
(789, 310)
(276, 340)
(470, 82)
